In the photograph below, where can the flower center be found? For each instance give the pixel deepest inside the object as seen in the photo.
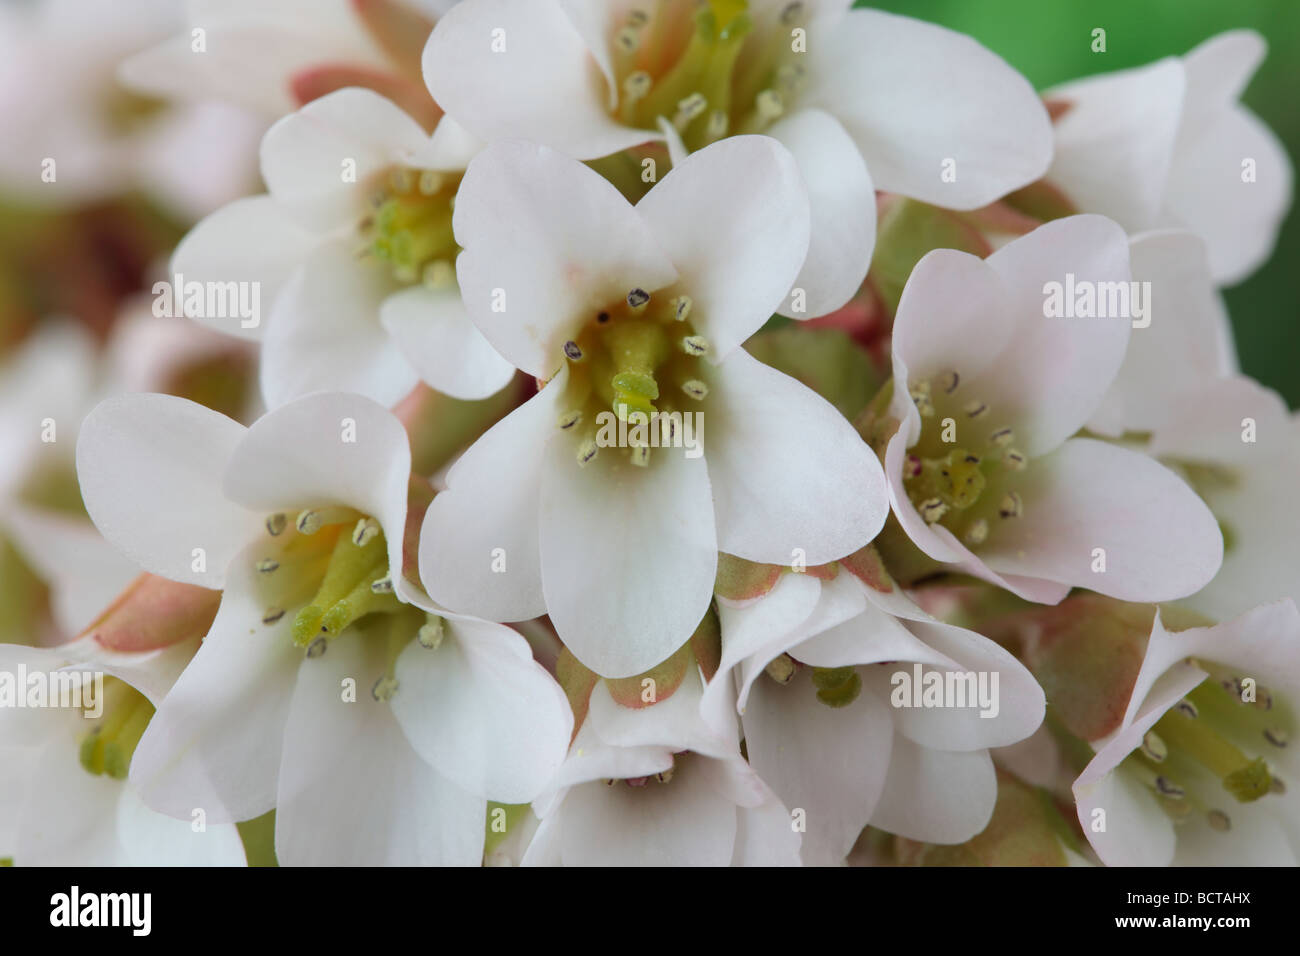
(107, 747)
(638, 361)
(688, 67)
(332, 564)
(967, 488)
(410, 226)
(835, 686)
(1219, 729)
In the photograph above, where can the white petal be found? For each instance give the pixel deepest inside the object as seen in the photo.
(433, 332)
(149, 467)
(491, 503)
(538, 263)
(843, 208)
(788, 470)
(893, 82)
(734, 219)
(936, 796)
(251, 240)
(628, 554)
(507, 68)
(483, 712)
(325, 333)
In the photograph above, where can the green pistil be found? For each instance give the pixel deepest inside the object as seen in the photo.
(345, 593)
(837, 686)
(108, 748)
(1244, 778)
(956, 479)
(636, 347)
(410, 228)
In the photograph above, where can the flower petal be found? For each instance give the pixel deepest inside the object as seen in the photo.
(734, 219)
(936, 796)
(148, 467)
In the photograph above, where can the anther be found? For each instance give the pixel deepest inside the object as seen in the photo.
(1170, 789)
(637, 298)
(637, 85)
(1002, 437)
(932, 509)
(309, 522)
(572, 351)
(1011, 506)
(781, 669)
(267, 565)
(430, 182)
(696, 345)
(691, 107)
(384, 689)
(717, 127)
(770, 105)
(430, 634)
(664, 776)
(317, 648)
(1276, 736)
(792, 12)
(948, 381)
(977, 533)
(628, 39)
(272, 615)
(1187, 708)
(640, 455)
(402, 180)
(695, 389)
(571, 418)
(365, 531)
(1153, 747)
(587, 451)
(382, 585)
(975, 408)
(681, 307)
(276, 523)
(1015, 460)
(1218, 820)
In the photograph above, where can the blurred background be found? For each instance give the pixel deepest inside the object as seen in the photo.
(1050, 41)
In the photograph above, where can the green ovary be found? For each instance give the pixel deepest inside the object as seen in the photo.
(108, 747)
(410, 228)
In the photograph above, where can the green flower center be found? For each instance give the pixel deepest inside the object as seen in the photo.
(1217, 732)
(638, 361)
(332, 564)
(962, 471)
(410, 226)
(107, 747)
(705, 70)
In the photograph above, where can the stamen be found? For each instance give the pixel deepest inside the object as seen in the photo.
(1169, 789)
(681, 307)
(975, 409)
(1015, 460)
(572, 351)
(1187, 708)
(628, 39)
(276, 523)
(637, 85)
(313, 519)
(401, 179)
(570, 418)
(272, 614)
(1276, 736)
(770, 105)
(1244, 778)
(384, 689)
(664, 776)
(587, 451)
(431, 182)
(932, 509)
(640, 455)
(1218, 820)
(689, 108)
(317, 648)
(717, 125)
(267, 565)
(1002, 437)
(638, 298)
(1011, 506)
(792, 12)
(977, 533)
(781, 669)
(382, 586)
(430, 634)
(949, 381)
(365, 531)
(1154, 748)
(695, 345)
(695, 389)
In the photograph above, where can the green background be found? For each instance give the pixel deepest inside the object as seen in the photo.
(1050, 41)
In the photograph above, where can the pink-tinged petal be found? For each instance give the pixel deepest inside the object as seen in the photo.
(507, 68)
(628, 554)
(1160, 541)
(843, 210)
(433, 332)
(327, 449)
(350, 773)
(249, 241)
(153, 613)
(734, 219)
(325, 333)
(483, 712)
(150, 467)
(547, 244)
(307, 157)
(683, 823)
(891, 81)
(1057, 369)
(479, 550)
(673, 723)
(1183, 344)
(788, 470)
(1212, 424)
(830, 762)
(936, 796)
(1237, 211)
(1115, 143)
(215, 742)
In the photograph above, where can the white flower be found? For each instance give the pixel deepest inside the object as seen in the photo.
(352, 253)
(984, 474)
(60, 103)
(656, 786)
(846, 90)
(66, 800)
(637, 310)
(1169, 145)
(328, 687)
(843, 739)
(1199, 773)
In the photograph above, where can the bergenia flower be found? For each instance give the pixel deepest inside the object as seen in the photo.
(834, 729)
(984, 472)
(627, 313)
(353, 257)
(1200, 772)
(328, 686)
(67, 799)
(658, 786)
(864, 100)
(1169, 146)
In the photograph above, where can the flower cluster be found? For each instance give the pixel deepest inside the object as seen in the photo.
(626, 432)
